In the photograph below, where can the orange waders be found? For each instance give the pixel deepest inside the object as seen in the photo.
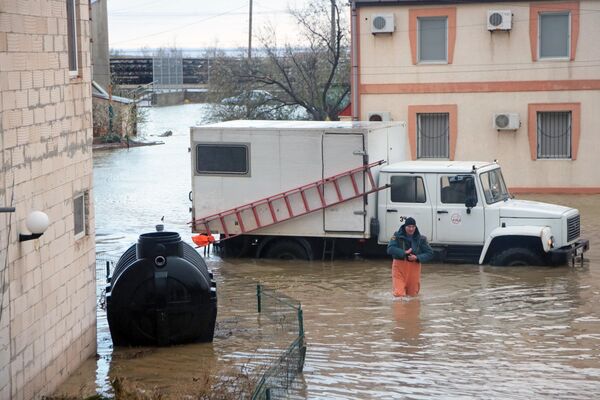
(406, 278)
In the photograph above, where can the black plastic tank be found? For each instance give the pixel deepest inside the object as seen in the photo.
(161, 293)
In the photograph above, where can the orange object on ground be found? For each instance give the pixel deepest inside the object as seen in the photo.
(203, 240)
(406, 278)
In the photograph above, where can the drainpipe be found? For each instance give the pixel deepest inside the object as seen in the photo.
(354, 48)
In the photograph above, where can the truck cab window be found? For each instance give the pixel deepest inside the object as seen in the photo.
(456, 189)
(407, 189)
(222, 159)
(493, 186)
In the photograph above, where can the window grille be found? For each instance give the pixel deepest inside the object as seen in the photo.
(433, 137)
(554, 134)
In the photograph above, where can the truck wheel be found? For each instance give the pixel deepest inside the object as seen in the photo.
(287, 250)
(517, 256)
(236, 247)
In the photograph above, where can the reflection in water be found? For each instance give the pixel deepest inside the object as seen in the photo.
(473, 332)
(407, 314)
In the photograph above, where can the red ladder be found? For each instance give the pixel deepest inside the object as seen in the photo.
(290, 204)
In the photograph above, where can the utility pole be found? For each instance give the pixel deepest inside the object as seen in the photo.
(333, 24)
(250, 31)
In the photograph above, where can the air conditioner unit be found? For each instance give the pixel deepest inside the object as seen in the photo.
(382, 23)
(499, 20)
(506, 122)
(380, 116)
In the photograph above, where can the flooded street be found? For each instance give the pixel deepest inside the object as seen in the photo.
(473, 332)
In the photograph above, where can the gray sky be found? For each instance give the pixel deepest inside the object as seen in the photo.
(134, 24)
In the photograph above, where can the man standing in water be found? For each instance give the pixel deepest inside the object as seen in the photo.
(408, 249)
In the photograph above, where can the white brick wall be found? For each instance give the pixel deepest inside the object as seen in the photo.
(48, 310)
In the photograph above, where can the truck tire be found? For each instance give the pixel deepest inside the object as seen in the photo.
(236, 247)
(516, 256)
(287, 250)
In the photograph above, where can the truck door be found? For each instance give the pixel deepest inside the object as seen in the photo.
(342, 152)
(454, 221)
(406, 197)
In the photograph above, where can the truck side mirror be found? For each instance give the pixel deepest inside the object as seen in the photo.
(471, 199)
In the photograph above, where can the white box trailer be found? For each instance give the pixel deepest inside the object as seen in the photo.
(292, 189)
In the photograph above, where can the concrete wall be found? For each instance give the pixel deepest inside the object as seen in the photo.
(48, 321)
(487, 73)
(100, 51)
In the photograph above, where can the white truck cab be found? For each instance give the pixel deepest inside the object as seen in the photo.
(466, 212)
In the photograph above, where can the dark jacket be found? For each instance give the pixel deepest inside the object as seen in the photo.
(401, 242)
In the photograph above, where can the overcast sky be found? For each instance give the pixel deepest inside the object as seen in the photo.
(134, 24)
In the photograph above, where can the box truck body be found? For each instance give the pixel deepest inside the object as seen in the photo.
(273, 157)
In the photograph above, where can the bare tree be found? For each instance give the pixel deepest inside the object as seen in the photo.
(279, 80)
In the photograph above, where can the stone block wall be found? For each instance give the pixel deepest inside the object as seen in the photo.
(47, 285)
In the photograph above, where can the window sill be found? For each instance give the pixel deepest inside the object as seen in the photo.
(554, 59)
(441, 62)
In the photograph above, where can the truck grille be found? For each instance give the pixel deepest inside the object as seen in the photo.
(573, 228)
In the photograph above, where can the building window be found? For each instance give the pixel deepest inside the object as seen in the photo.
(72, 36)
(432, 34)
(433, 135)
(407, 189)
(432, 131)
(80, 215)
(553, 30)
(433, 40)
(554, 130)
(554, 134)
(223, 159)
(554, 35)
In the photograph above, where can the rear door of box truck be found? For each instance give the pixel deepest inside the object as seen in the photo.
(342, 152)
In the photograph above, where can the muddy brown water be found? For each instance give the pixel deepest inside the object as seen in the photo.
(473, 332)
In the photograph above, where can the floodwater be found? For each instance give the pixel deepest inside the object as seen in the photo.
(473, 332)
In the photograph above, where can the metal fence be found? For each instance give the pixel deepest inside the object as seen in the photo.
(286, 314)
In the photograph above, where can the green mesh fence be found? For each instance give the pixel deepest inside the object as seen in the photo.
(286, 315)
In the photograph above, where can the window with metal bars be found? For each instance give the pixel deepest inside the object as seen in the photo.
(433, 135)
(554, 134)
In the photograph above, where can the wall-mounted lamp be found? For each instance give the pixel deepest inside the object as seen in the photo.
(37, 222)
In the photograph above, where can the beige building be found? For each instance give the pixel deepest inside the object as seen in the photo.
(515, 81)
(47, 284)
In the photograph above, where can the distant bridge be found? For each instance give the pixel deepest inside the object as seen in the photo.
(133, 72)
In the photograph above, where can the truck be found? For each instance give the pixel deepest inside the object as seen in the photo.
(310, 190)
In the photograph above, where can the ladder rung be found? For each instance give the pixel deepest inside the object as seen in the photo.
(306, 207)
(224, 226)
(337, 190)
(289, 206)
(258, 225)
(239, 218)
(354, 185)
(371, 180)
(272, 212)
(321, 196)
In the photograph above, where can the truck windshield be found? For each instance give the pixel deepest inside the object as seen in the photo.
(493, 185)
